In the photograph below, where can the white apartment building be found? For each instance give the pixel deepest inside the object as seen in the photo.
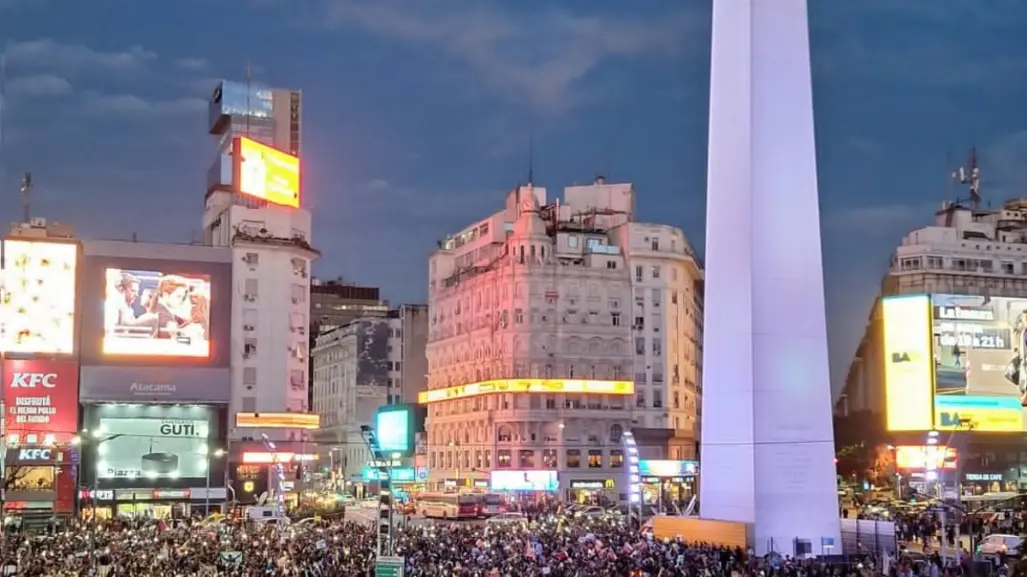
(358, 368)
(966, 252)
(271, 276)
(544, 293)
(667, 313)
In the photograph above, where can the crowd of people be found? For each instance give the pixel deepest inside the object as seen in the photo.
(550, 547)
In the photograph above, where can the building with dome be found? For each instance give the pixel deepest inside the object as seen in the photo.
(554, 328)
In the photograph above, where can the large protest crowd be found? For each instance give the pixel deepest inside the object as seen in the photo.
(551, 547)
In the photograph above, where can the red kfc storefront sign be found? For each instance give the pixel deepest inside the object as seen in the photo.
(40, 398)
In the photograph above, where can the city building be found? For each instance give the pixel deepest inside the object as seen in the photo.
(155, 378)
(334, 303)
(40, 370)
(532, 344)
(254, 206)
(667, 313)
(360, 367)
(944, 339)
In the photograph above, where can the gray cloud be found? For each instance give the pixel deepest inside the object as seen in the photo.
(194, 64)
(97, 103)
(538, 59)
(75, 59)
(38, 86)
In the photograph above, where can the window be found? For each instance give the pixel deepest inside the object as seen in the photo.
(639, 323)
(655, 244)
(503, 458)
(251, 287)
(657, 399)
(616, 459)
(656, 272)
(572, 241)
(657, 346)
(488, 459)
(573, 458)
(657, 297)
(526, 459)
(518, 316)
(638, 274)
(615, 317)
(549, 458)
(595, 458)
(640, 346)
(616, 432)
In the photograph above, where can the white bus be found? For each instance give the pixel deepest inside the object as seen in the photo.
(448, 505)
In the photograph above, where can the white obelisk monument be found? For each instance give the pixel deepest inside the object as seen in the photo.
(767, 453)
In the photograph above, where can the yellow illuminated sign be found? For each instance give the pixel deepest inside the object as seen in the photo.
(278, 420)
(528, 386)
(908, 364)
(267, 173)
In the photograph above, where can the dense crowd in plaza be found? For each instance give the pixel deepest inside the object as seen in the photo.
(552, 547)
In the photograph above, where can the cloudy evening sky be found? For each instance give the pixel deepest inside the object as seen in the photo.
(418, 115)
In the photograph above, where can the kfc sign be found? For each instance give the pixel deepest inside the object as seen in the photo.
(40, 399)
(33, 380)
(33, 456)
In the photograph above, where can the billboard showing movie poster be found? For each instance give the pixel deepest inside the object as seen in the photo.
(980, 378)
(152, 447)
(156, 313)
(38, 310)
(40, 399)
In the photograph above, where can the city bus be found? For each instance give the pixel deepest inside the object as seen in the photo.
(491, 504)
(448, 505)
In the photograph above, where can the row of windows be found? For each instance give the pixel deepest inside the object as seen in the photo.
(526, 459)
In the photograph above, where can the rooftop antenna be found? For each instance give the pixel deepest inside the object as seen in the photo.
(249, 89)
(531, 159)
(970, 175)
(26, 190)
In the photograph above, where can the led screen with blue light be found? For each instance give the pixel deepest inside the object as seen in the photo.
(392, 427)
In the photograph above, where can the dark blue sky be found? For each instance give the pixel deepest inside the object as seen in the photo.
(418, 115)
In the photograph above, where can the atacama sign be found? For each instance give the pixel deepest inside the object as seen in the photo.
(41, 399)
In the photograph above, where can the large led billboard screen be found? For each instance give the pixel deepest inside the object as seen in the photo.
(980, 379)
(38, 310)
(907, 362)
(266, 173)
(149, 312)
(155, 305)
(394, 427)
(152, 447)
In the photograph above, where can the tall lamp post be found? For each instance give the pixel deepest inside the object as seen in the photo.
(218, 453)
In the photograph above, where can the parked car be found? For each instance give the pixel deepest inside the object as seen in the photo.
(506, 518)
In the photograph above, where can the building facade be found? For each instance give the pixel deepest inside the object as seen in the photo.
(975, 261)
(531, 347)
(359, 368)
(666, 317)
(334, 303)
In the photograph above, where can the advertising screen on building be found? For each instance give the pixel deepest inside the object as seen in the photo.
(907, 362)
(524, 481)
(40, 400)
(393, 428)
(151, 448)
(38, 311)
(925, 457)
(266, 173)
(980, 379)
(156, 313)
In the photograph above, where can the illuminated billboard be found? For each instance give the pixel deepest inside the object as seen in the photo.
(41, 401)
(310, 421)
(531, 480)
(154, 313)
(393, 425)
(266, 173)
(38, 310)
(565, 386)
(907, 362)
(925, 457)
(980, 379)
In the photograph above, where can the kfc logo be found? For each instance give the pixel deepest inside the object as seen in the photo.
(34, 455)
(33, 380)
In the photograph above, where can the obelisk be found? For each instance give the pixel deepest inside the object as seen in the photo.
(767, 452)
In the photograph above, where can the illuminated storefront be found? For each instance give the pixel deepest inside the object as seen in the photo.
(665, 482)
(592, 490)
